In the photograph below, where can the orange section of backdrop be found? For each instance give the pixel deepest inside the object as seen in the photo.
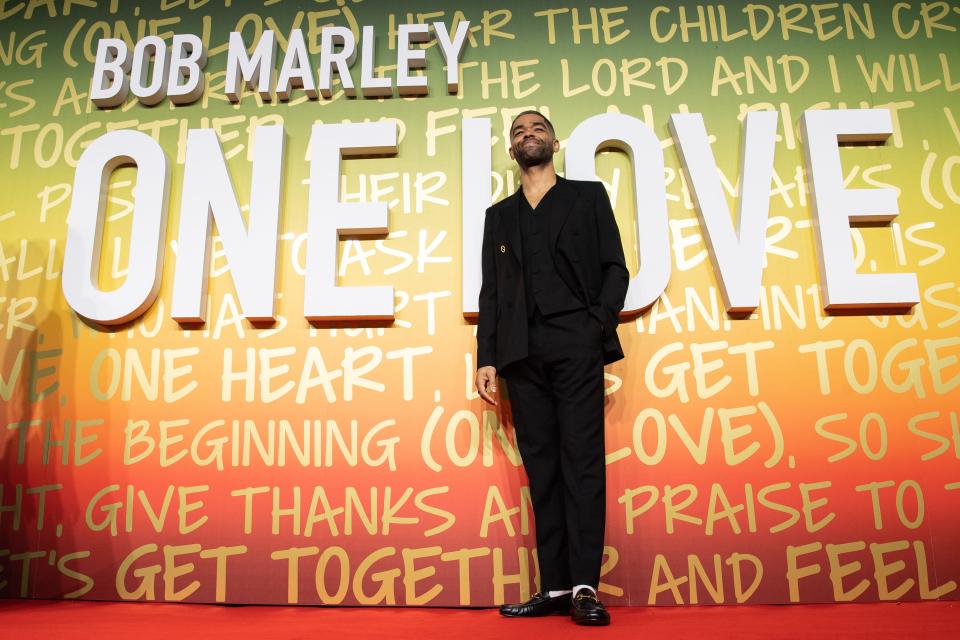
(788, 456)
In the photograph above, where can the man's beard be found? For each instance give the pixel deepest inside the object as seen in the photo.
(534, 155)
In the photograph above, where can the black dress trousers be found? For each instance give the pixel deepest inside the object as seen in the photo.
(556, 394)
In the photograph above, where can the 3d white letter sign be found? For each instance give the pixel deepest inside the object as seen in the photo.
(736, 250)
(834, 207)
(649, 194)
(252, 252)
(81, 257)
(737, 247)
(328, 219)
(151, 74)
(154, 72)
(476, 195)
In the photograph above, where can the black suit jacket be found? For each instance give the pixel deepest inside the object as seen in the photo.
(587, 253)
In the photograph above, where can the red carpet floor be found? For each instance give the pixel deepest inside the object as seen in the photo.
(58, 620)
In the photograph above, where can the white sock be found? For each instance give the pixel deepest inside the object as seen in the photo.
(556, 594)
(578, 587)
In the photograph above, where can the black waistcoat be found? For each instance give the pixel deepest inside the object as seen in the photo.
(544, 287)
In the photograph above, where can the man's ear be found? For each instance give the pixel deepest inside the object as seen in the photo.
(556, 145)
(510, 151)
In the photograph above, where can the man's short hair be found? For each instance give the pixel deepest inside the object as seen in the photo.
(534, 112)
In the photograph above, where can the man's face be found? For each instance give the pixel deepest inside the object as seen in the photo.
(531, 143)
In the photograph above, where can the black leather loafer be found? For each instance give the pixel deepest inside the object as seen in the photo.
(539, 605)
(588, 610)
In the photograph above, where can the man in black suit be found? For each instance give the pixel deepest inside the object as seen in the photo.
(554, 281)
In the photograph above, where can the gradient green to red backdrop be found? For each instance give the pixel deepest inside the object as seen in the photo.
(788, 456)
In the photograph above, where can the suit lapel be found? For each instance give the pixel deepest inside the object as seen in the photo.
(510, 219)
(563, 198)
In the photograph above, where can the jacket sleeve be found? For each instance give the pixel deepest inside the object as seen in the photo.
(487, 319)
(614, 276)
